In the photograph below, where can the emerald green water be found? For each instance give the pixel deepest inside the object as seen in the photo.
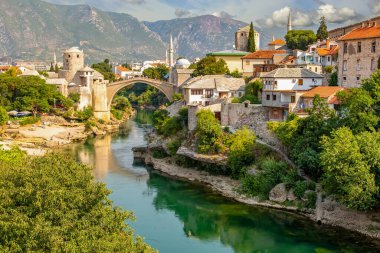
(175, 216)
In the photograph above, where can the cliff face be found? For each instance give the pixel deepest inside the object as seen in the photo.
(33, 29)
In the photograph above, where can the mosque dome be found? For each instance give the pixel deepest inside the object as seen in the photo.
(182, 63)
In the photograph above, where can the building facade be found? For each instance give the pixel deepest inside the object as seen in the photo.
(283, 87)
(232, 59)
(261, 61)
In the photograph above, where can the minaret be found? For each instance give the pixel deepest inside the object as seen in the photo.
(290, 21)
(54, 59)
(171, 52)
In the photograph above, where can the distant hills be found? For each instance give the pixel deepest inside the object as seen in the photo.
(33, 30)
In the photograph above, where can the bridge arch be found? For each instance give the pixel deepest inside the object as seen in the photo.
(113, 88)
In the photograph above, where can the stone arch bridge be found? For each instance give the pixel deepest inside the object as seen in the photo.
(103, 94)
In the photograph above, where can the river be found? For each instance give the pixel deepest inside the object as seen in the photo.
(176, 216)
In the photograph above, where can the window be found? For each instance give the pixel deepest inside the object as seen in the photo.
(240, 94)
(274, 97)
(344, 65)
(344, 78)
(328, 59)
(358, 65)
(292, 99)
(77, 55)
(268, 97)
(242, 34)
(358, 78)
(345, 48)
(316, 69)
(359, 47)
(69, 56)
(247, 62)
(373, 47)
(209, 93)
(196, 92)
(300, 81)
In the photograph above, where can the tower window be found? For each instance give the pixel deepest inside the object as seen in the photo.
(359, 47)
(345, 48)
(373, 47)
(77, 55)
(69, 56)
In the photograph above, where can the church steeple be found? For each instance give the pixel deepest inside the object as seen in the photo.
(290, 21)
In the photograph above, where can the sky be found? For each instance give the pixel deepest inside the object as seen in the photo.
(266, 14)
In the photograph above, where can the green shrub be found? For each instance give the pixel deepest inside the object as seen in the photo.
(171, 126)
(85, 114)
(117, 114)
(173, 146)
(208, 133)
(311, 198)
(271, 173)
(75, 97)
(159, 154)
(329, 69)
(235, 100)
(300, 187)
(3, 116)
(29, 121)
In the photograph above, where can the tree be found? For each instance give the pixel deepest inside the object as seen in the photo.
(105, 68)
(121, 103)
(322, 32)
(3, 116)
(241, 150)
(333, 79)
(252, 90)
(208, 132)
(51, 67)
(210, 66)
(56, 69)
(251, 39)
(13, 72)
(177, 97)
(53, 204)
(300, 39)
(346, 174)
(158, 72)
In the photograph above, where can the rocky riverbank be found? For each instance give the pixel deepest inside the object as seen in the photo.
(50, 132)
(328, 211)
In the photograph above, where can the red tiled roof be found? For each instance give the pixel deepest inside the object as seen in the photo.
(277, 42)
(328, 51)
(362, 33)
(322, 91)
(289, 59)
(263, 54)
(5, 67)
(121, 68)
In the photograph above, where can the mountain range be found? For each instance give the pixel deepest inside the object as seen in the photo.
(34, 30)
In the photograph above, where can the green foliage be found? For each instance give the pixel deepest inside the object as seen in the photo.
(300, 187)
(210, 66)
(251, 40)
(159, 154)
(75, 97)
(252, 90)
(28, 94)
(117, 113)
(329, 69)
(121, 103)
(184, 115)
(3, 116)
(235, 74)
(300, 39)
(271, 173)
(311, 199)
(85, 114)
(159, 117)
(240, 152)
(173, 146)
(235, 100)
(143, 95)
(171, 126)
(177, 97)
(29, 121)
(333, 79)
(208, 132)
(105, 68)
(158, 72)
(53, 204)
(346, 173)
(322, 32)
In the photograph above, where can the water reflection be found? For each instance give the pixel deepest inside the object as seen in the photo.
(176, 216)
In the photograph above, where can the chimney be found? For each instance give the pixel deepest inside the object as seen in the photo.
(363, 25)
(374, 23)
(328, 43)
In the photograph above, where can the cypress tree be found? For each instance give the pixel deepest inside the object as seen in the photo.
(56, 68)
(251, 40)
(51, 67)
(322, 32)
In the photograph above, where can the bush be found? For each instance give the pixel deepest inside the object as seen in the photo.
(53, 204)
(75, 97)
(311, 198)
(329, 69)
(173, 146)
(208, 133)
(271, 173)
(235, 100)
(171, 126)
(158, 118)
(159, 154)
(177, 97)
(3, 116)
(85, 114)
(29, 121)
(117, 114)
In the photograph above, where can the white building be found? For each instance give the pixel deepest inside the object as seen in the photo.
(204, 90)
(283, 87)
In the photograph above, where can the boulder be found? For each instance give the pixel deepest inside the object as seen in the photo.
(290, 196)
(278, 193)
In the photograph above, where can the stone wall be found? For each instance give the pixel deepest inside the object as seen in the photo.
(192, 117)
(254, 116)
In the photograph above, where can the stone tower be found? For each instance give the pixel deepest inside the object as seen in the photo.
(289, 22)
(73, 61)
(241, 39)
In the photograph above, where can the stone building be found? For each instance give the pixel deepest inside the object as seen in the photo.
(359, 51)
(339, 32)
(262, 61)
(180, 73)
(241, 39)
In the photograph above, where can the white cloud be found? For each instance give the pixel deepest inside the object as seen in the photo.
(335, 15)
(279, 18)
(223, 14)
(374, 5)
(180, 13)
